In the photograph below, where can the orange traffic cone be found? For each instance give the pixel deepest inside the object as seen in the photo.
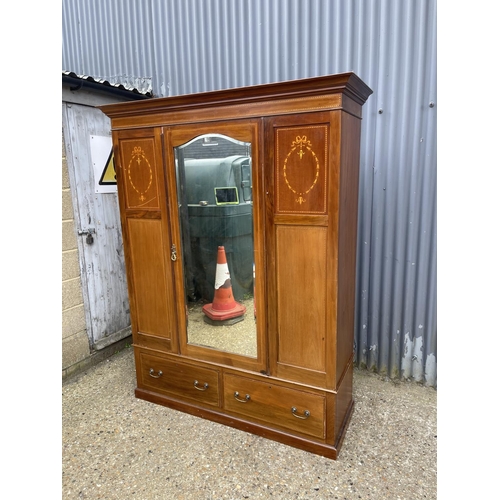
(224, 310)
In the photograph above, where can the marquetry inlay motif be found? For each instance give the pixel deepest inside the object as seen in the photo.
(140, 178)
(137, 158)
(301, 155)
(300, 145)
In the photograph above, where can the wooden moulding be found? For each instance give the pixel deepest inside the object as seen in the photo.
(303, 443)
(348, 84)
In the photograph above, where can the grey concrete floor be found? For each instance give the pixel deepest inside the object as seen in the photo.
(118, 447)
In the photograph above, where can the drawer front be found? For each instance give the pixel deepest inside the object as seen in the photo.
(178, 379)
(282, 407)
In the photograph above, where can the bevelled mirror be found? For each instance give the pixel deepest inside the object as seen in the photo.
(214, 193)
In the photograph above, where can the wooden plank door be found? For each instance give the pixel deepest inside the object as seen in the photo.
(104, 283)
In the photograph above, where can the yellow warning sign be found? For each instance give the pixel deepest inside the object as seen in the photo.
(108, 176)
(103, 164)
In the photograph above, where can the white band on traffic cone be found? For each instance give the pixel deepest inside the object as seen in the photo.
(221, 275)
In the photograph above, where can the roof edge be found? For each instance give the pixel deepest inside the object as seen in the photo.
(78, 82)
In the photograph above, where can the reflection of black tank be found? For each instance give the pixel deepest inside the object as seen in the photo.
(218, 192)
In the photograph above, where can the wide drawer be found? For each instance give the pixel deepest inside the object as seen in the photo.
(178, 379)
(292, 409)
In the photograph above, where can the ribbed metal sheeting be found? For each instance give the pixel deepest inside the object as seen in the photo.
(186, 46)
(111, 40)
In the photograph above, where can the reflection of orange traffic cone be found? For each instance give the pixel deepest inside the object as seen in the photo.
(224, 310)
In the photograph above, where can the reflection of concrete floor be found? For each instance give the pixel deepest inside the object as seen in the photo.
(240, 338)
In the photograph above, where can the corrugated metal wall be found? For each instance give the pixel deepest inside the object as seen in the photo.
(182, 46)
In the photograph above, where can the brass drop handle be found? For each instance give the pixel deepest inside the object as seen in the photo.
(204, 388)
(237, 397)
(173, 254)
(152, 373)
(307, 413)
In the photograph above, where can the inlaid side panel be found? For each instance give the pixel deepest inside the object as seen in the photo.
(301, 293)
(139, 173)
(152, 290)
(301, 175)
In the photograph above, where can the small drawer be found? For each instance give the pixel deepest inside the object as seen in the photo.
(178, 379)
(292, 409)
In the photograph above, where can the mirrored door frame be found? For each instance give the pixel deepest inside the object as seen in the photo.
(244, 131)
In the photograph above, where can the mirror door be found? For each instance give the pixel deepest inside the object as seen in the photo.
(217, 228)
